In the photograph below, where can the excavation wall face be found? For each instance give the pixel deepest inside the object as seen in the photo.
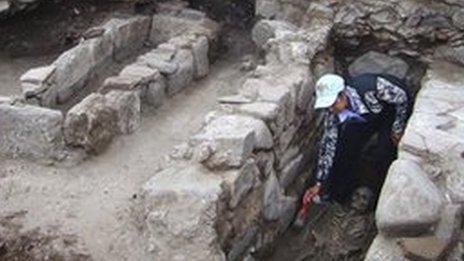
(242, 174)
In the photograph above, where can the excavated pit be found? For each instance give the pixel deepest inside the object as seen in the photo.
(323, 238)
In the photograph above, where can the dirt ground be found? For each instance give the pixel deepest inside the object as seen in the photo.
(36, 38)
(93, 202)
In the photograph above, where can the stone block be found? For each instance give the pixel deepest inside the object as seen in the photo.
(154, 93)
(265, 111)
(410, 204)
(268, 9)
(30, 131)
(245, 242)
(244, 182)
(128, 34)
(160, 59)
(200, 50)
(124, 83)
(180, 210)
(374, 62)
(141, 72)
(265, 30)
(165, 27)
(126, 104)
(91, 124)
(102, 46)
(72, 71)
(290, 172)
(183, 76)
(384, 249)
(4, 7)
(277, 207)
(233, 138)
(37, 80)
(6, 99)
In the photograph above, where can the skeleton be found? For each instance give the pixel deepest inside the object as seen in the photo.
(347, 229)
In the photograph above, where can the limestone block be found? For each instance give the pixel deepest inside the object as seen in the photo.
(155, 92)
(102, 46)
(233, 138)
(277, 207)
(143, 73)
(177, 65)
(290, 172)
(90, 124)
(72, 70)
(126, 104)
(165, 27)
(128, 34)
(200, 50)
(30, 131)
(37, 80)
(184, 73)
(268, 9)
(384, 249)
(125, 83)
(374, 62)
(244, 182)
(160, 59)
(180, 210)
(410, 204)
(265, 111)
(244, 244)
(265, 30)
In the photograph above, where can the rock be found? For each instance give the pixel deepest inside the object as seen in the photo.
(124, 83)
(240, 248)
(200, 50)
(265, 111)
(184, 73)
(177, 65)
(291, 171)
(143, 73)
(72, 70)
(272, 195)
(383, 249)
(180, 210)
(91, 124)
(233, 138)
(126, 104)
(5, 99)
(128, 34)
(268, 29)
(244, 182)
(155, 92)
(374, 62)
(165, 27)
(435, 247)
(37, 80)
(268, 9)
(410, 204)
(4, 6)
(29, 131)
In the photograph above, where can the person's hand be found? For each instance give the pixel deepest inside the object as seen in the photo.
(395, 138)
(311, 193)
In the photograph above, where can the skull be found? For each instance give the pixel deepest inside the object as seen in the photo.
(361, 199)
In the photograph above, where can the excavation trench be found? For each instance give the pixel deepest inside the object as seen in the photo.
(337, 231)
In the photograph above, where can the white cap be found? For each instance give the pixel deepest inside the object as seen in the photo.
(327, 89)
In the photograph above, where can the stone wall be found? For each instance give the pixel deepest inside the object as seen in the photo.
(233, 188)
(67, 75)
(89, 126)
(420, 209)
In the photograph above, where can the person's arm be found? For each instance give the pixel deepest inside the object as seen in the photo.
(327, 147)
(392, 94)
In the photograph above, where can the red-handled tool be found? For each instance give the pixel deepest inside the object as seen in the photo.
(306, 201)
